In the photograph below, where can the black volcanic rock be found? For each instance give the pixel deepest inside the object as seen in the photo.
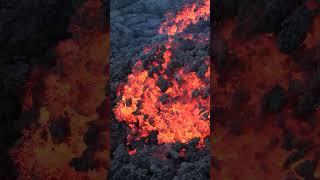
(43, 24)
(276, 11)
(153, 70)
(121, 154)
(195, 93)
(306, 169)
(163, 84)
(60, 129)
(288, 141)
(294, 29)
(306, 105)
(164, 98)
(294, 157)
(274, 100)
(188, 45)
(199, 170)
(202, 70)
(86, 161)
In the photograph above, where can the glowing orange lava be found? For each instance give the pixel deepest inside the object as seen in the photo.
(183, 117)
(73, 89)
(254, 150)
(190, 14)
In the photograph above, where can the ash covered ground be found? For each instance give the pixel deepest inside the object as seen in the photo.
(134, 26)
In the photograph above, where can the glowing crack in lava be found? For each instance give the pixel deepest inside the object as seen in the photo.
(184, 117)
(65, 99)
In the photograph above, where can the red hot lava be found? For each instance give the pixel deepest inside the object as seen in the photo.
(181, 119)
(72, 90)
(250, 143)
(190, 14)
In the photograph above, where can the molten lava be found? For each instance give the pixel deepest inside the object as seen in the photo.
(65, 100)
(183, 117)
(248, 143)
(190, 14)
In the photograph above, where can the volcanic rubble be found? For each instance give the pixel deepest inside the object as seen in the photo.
(134, 26)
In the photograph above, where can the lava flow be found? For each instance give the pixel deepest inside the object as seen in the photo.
(153, 99)
(267, 117)
(190, 14)
(67, 136)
